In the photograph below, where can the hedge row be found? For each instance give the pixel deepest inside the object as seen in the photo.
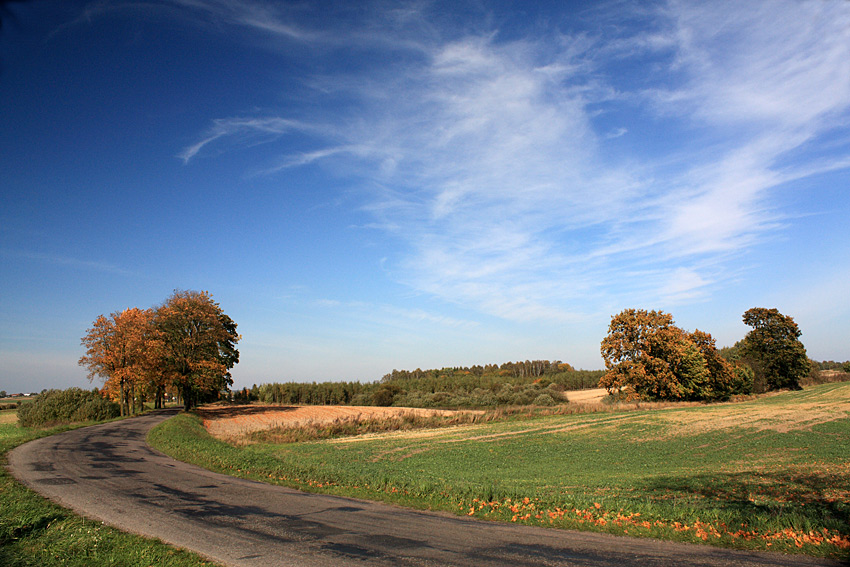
(55, 407)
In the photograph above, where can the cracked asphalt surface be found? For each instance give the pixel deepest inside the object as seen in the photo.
(109, 473)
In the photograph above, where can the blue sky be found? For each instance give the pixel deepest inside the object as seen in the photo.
(376, 185)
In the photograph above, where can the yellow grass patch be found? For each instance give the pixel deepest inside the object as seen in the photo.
(8, 417)
(590, 396)
(816, 407)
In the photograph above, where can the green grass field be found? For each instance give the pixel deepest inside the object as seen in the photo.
(35, 532)
(769, 474)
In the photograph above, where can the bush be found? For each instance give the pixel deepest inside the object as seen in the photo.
(385, 394)
(544, 400)
(56, 407)
(826, 377)
(743, 381)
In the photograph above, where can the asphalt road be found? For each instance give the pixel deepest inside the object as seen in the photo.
(108, 472)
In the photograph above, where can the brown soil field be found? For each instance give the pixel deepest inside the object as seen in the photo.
(231, 422)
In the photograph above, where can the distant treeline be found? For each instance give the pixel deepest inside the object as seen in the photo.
(522, 370)
(833, 365)
(512, 383)
(304, 393)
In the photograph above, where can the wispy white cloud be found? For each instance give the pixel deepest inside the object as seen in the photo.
(242, 131)
(763, 64)
(684, 284)
(764, 80)
(491, 160)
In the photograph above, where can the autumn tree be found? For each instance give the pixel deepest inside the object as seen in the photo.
(649, 357)
(729, 378)
(198, 344)
(773, 349)
(117, 349)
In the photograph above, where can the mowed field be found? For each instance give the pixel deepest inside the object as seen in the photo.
(236, 423)
(771, 473)
(239, 424)
(8, 417)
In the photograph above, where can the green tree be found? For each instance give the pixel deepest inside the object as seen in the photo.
(198, 345)
(773, 350)
(385, 394)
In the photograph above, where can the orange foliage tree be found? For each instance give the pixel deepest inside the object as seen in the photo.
(648, 357)
(118, 349)
(198, 345)
(187, 343)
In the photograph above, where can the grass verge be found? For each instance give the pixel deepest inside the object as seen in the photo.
(35, 532)
(765, 474)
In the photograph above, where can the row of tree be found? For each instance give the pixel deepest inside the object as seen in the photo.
(833, 365)
(186, 345)
(518, 369)
(447, 387)
(308, 393)
(647, 356)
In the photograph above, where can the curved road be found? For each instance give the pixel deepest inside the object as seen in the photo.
(109, 473)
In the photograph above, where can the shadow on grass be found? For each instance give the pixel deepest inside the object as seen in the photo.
(13, 533)
(816, 498)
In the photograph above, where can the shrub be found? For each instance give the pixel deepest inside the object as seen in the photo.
(826, 377)
(55, 407)
(544, 400)
(742, 383)
(385, 394)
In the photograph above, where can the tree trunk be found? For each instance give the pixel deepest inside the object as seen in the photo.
(123, 398)
(188, 400)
